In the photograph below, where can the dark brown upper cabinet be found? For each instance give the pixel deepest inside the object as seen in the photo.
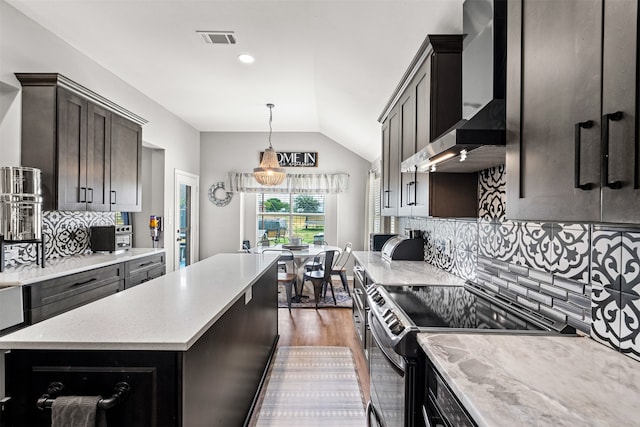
(88, 149)
(572, 126)
(390, 197)
(426, 103)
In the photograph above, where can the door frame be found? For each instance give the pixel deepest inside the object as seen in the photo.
(182, 177)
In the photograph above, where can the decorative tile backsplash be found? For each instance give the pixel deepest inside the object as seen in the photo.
(65, 233)
(587, 275)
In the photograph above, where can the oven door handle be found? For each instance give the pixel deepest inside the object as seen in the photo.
(395, 365)
(425, 417)
(372, 410)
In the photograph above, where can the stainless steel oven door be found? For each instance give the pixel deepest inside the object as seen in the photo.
(387, 373)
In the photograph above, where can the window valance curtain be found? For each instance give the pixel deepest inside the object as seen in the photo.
(297, 183)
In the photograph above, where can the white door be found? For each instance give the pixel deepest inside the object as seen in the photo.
(187, 209)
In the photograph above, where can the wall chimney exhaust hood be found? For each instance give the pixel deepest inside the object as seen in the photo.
(478, 140)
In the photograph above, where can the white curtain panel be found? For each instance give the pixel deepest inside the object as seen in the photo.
(297, 183)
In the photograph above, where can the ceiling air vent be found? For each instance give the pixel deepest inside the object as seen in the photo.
(217, 37)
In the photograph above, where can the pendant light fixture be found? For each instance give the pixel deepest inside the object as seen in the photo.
(269, 173)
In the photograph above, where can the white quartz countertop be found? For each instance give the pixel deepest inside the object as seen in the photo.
(521, 380)
(32, 273)
(404, 272)
(167, 313)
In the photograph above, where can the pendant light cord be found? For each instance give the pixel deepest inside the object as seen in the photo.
(270, 119)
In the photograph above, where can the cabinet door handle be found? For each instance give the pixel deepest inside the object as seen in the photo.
(83, 195)
(113, 197)
(91, 194)
(386, 193)
(581, 125)
(412, 200)
(613, 117)
(86, 282)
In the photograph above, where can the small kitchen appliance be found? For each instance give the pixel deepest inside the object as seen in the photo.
(403, 248)
(377, 241)
(21, 209)
(155, 227)
(111, 238)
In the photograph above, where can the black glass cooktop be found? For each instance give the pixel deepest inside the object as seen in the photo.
(456, 307)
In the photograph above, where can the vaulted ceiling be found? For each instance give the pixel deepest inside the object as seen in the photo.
(327, 65)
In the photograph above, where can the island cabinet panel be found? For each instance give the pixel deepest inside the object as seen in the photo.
(215, 382)
(153, 400)
(223, 369)
(572, 138)
(89, 155)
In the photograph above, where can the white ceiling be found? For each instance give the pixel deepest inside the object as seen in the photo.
(328, 66)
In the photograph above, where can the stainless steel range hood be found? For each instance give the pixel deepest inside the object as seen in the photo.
(478, 140)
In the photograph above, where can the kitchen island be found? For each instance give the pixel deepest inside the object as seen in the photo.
(521, 380)
(193, 345)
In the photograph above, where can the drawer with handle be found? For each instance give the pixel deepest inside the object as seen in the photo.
(46, 311)
(54, 296)
(144, 276)
(141, 265)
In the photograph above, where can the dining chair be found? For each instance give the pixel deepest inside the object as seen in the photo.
(313, 265)
(289, 277)
(339, 267)
(321, 278)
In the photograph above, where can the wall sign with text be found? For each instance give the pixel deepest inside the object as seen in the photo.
(296, 158)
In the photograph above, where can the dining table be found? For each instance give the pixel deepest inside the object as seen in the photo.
(301, 255)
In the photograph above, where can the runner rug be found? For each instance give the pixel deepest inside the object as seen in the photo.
(312, 386)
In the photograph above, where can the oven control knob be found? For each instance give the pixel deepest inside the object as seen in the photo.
(391, 319)
(387, 313)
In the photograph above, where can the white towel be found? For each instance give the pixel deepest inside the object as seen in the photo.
(77, 411)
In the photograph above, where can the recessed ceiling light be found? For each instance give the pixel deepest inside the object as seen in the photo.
(246, 58)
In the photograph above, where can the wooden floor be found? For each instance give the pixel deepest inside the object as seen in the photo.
(323, 327)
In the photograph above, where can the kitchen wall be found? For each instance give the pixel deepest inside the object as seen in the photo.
(585, 274)
(223, 228)
(27, 47)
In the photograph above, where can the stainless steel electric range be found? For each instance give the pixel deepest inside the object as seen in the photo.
(398, 313)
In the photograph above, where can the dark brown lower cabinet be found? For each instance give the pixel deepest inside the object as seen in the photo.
(213, 383)
(142, 270)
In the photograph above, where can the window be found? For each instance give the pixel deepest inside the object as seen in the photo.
(281, 216)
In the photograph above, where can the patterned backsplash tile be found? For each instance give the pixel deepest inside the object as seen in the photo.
(65, 234)
(582, 274)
